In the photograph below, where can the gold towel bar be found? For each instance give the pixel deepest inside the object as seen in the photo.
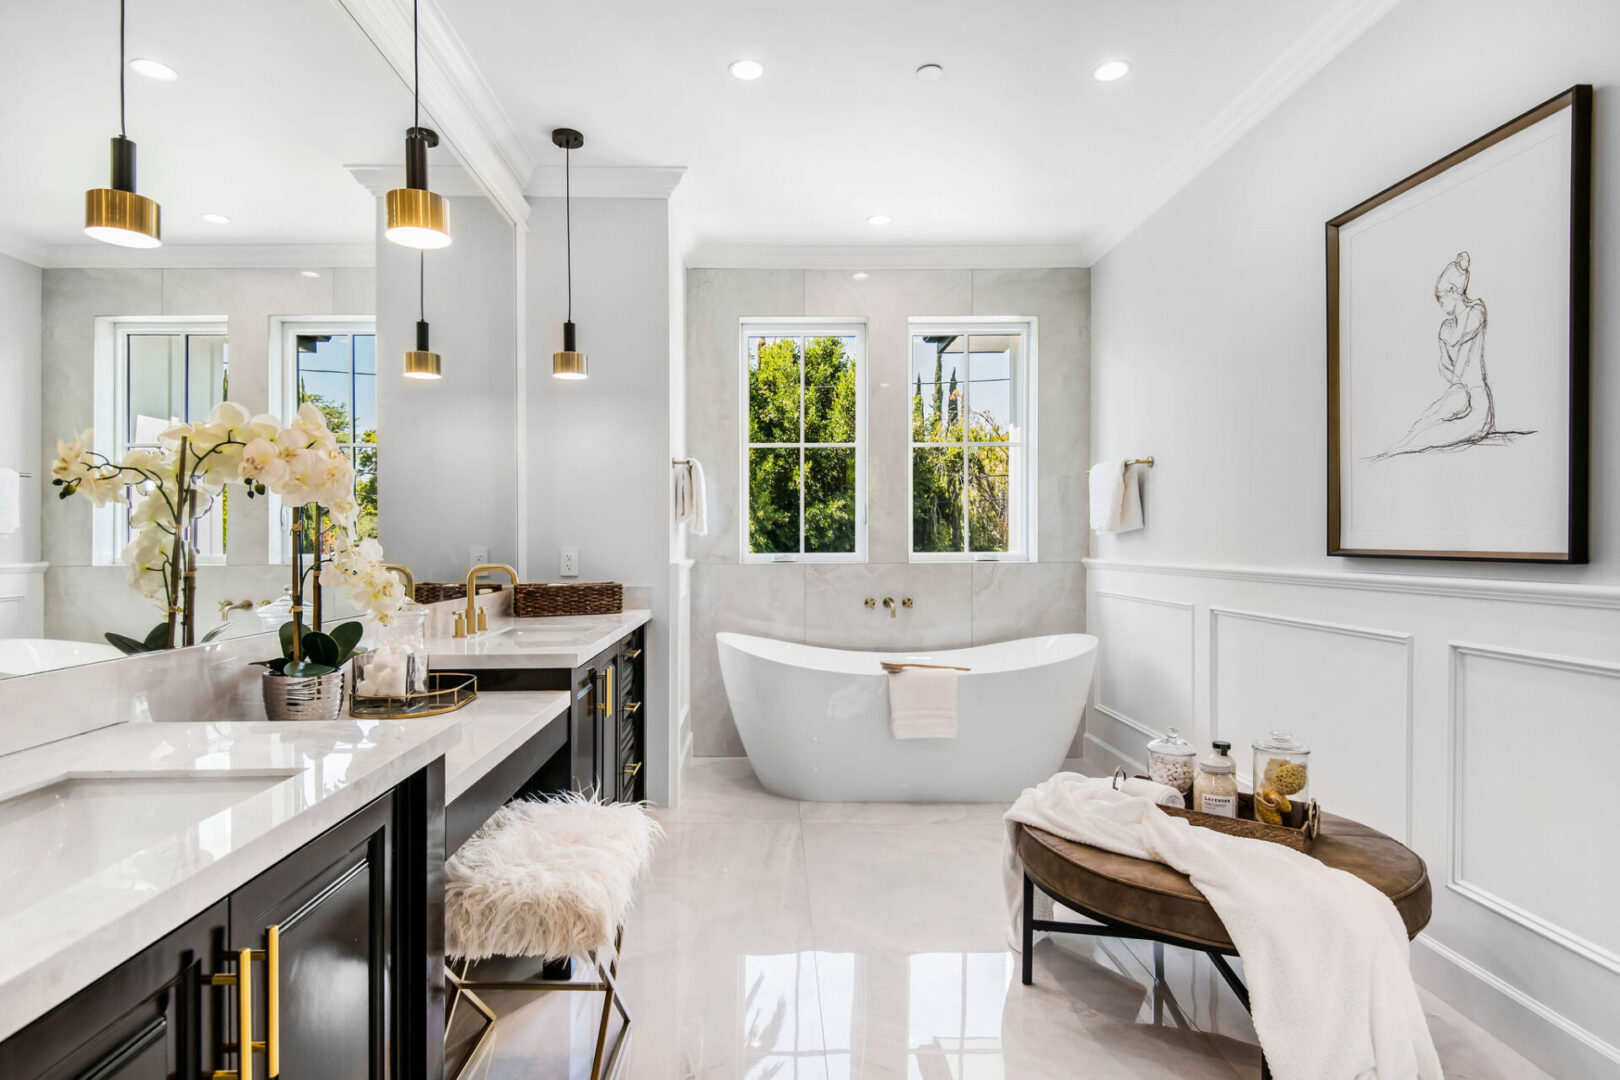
(1140, 461)
(895, 669)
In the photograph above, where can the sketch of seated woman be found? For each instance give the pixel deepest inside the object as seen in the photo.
(1464, 415)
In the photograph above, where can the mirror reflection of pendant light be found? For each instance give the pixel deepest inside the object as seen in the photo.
(116, 214)
(417, 217)
(570, 363)
(420, 362)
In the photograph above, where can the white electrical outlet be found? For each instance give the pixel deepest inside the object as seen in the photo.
(478, 556)
(570, 562)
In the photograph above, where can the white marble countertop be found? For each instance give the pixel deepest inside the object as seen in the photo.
(95, 866)
(491, 728)
(560, 641)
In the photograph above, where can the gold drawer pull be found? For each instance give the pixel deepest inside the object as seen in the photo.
(245, 1046)
(630, 708)
(633, 769)
(631, 654)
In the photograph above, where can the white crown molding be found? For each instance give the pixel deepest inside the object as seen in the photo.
(607, 181)
(210, 256)
(465, 112)
(1556, 594)
(806, 257)
(451, 181)
(1308, 54)
(22, 250)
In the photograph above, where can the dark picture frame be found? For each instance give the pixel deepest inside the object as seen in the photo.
(1577, 99)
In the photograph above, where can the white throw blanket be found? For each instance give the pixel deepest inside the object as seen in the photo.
(922, 703)
(1116, 497)
(1325, 955)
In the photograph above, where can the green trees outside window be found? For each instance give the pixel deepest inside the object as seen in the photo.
(966, 446)
(803, 444)
(338, 374)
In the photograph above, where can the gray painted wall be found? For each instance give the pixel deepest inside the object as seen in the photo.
(956, 603)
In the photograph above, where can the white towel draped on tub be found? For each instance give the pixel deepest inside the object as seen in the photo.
(922, 703)
(1116, 497)
(1324, 954)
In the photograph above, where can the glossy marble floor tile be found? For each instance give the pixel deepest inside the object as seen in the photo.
(775, 940)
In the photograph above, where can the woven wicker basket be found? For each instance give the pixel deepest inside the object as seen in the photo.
(431, 592)
(585, 598)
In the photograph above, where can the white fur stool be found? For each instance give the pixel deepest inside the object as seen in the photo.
(552, 880)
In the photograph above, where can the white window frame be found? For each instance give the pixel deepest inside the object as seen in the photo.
(802, 327)
(283, 382)
(110, 523)
(1025, 493)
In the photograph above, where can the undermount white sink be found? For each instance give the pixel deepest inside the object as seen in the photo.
(87, 823)
(529, 635)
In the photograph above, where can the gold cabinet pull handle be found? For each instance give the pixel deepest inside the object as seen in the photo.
(272, 991)
(631, 654)
(633, 769)
(630, 708)
(607, 694)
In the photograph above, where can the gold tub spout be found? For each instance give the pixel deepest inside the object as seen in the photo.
(472, 590)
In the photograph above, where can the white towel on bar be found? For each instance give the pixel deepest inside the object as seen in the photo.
(922, 703)
(698, 519)
(1116, 497)
(10, 501)
(682, 479)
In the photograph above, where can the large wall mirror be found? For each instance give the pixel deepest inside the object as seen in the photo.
(269, 290)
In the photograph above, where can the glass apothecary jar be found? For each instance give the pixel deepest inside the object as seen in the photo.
(1215, 789)
(1170, 762)
(1282, 779)
(396, 664)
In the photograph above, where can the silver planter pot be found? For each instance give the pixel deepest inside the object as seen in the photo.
(317, 698)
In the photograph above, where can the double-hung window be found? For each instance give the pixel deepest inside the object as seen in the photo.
(152, 372)
(803, 441)
(331, 362)
(972, 407)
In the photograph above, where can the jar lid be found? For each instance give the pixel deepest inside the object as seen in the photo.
(1216, 763)
(1280, 742)
(1172, 745)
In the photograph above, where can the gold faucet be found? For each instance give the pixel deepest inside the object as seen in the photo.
(472, 591)
(410, 582)
(888, 603)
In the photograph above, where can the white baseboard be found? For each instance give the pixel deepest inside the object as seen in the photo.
(1562, 1046)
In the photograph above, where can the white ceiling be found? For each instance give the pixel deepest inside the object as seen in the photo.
(273, 100)
(1016, 145)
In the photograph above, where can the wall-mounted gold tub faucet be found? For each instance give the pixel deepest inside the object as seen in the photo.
(473, 624)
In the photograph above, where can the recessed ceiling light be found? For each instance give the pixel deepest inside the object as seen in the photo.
(879, 219)
(930, 72)
(216, 219)
(861, 276)
(309, 273)
(153, 69)
(746, 70)
(1110, 70)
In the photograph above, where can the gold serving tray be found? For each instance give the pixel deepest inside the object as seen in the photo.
(447, 691)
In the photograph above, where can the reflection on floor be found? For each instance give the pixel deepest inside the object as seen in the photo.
(784, 941)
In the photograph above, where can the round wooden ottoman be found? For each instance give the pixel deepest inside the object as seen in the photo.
(1133, 898)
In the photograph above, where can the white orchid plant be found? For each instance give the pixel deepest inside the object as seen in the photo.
(172, 484)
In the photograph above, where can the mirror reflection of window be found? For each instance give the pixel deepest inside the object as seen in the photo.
(170, 377)
(338, 374)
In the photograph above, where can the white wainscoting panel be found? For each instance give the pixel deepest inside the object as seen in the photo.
(1532, 734)
(1344, 691)
(1145, 662)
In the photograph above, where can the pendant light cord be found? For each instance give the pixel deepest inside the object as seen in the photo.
(568, 224)
(421, 285)
(123, 129)
(416, 57)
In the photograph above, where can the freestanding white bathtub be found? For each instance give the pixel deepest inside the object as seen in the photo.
(815, 722)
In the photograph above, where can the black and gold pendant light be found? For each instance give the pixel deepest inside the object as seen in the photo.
(570, 363)
(116, 214)
(417, 217)
(421, 362)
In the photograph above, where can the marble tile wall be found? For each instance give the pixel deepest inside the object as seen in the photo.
(955, 604)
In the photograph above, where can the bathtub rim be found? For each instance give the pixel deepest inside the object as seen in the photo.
(866, 662)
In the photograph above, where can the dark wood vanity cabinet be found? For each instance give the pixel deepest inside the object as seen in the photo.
(606, 724)
(344, 944)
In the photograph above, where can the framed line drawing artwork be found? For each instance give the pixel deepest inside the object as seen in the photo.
(1458, 351)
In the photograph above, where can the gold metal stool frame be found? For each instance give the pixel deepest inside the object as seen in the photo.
(462, 987)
